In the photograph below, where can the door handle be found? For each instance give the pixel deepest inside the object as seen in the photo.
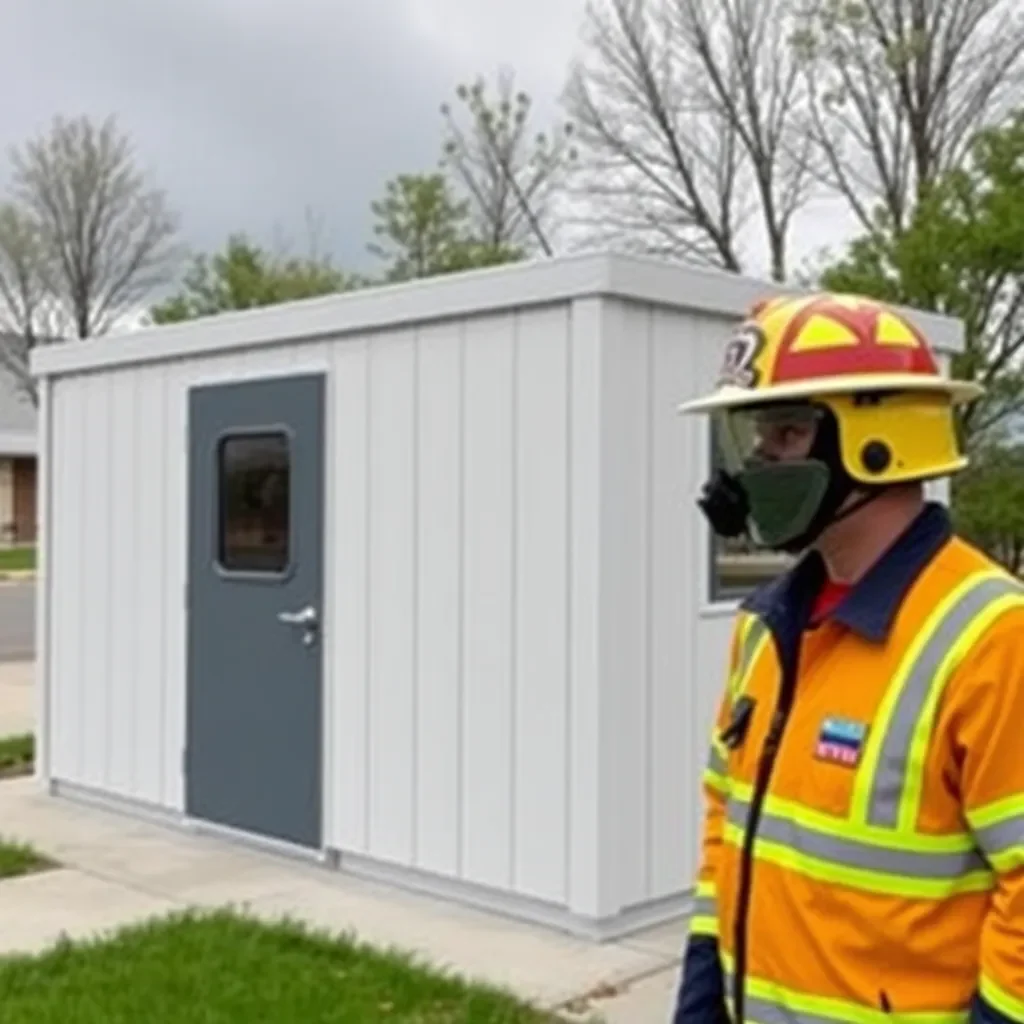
(305, 617)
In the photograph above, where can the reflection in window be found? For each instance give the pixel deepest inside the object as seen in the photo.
(737, 567)
(253, 486)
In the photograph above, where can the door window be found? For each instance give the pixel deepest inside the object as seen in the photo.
(254, 495)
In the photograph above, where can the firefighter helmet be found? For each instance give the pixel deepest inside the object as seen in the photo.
(862, 360)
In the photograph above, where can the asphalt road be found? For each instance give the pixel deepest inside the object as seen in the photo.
(17, 621)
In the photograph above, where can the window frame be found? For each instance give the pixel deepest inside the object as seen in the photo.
(276, 429)
(719, 596)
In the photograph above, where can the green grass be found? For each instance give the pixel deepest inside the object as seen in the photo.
(21, 859)
(220, 967)
(17, 559)
(17, 754)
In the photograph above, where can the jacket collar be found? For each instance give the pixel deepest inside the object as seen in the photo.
(871, 606)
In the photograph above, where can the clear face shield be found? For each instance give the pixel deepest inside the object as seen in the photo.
(767, 451)
(772, 433)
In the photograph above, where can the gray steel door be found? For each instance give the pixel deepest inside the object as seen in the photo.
(254, 718)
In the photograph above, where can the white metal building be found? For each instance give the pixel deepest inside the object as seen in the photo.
(410, 579)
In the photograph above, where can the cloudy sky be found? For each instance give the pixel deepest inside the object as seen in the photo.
(251, 111)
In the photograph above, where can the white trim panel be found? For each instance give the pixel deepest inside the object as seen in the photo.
(472, 293)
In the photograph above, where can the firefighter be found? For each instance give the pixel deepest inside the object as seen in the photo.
(863, 844)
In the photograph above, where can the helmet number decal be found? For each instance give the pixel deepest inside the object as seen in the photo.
(738, 365)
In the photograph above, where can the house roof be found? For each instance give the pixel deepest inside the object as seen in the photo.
(18, 417)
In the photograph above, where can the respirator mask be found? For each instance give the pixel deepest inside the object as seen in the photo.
(782, 480)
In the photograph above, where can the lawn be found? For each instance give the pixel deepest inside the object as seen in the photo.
(17, 559)
(223, 968)
(17, 754)
(20, 859)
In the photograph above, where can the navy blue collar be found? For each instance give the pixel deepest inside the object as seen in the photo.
(870, 607)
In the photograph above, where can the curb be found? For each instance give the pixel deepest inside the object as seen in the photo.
(17, 576)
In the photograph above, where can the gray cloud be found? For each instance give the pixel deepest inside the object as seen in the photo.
(251, 111)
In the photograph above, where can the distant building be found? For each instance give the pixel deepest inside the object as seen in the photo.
(18, 431)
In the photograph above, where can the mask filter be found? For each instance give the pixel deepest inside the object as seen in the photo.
(784, 498)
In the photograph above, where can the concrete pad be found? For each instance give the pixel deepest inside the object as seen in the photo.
(537, 963)
(17, 697)
(119, 869)
(37, 909)
(666, 940)
(649, 1000)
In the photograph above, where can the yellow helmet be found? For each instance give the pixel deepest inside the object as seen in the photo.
(822, 402)
(865, 362)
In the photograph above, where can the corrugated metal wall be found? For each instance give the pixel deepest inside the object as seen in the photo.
(465, 471)
(664, 655)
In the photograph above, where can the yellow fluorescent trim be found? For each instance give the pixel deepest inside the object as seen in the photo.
(997, 811)
(703, 925)
(843, 828)
(838, 1009)
(1007, 860)
(910, 806)
(861, 878)
(719, 783)
(1005, 1002)
(876, 735)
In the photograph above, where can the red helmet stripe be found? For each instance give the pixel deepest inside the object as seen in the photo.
(866, 357)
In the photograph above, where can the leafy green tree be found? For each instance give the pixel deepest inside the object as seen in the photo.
(988, 503)
(245, 275)
(962, 254)
(423, 229)
(507, 171)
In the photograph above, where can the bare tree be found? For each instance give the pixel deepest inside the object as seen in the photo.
(27, 312)
(686, 114)
(898, 89)
(508, 173)
(102, 237)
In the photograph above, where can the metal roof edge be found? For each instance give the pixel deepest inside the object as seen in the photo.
(475, 292)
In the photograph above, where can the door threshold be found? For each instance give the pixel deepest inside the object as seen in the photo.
(255, 841)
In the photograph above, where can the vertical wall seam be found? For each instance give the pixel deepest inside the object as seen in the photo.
(367, 592)
(650, 354)
(134, 585)
(513, 604)
(106, 665)
(460, 723)
(168, 436)
(414, 440)
(570, 663)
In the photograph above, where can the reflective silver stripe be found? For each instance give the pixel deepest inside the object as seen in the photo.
(764, 1012)
(1001, 837)
(888, 785)
(705, 906)
(849, 852)
(716, 763)
(758, 1010)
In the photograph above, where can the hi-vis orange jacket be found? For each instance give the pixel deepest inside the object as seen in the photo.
(863, 852)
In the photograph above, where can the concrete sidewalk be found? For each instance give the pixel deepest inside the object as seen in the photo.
(17, 697)
(117, 870)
